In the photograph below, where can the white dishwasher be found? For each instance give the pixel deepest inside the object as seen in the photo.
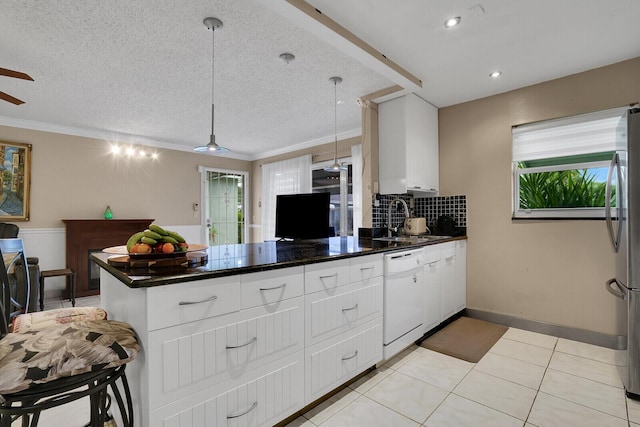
(403, 300)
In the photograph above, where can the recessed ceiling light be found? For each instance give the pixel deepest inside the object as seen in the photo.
(495, 74)
(452, 22)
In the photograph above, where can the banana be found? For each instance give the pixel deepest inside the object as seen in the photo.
(157, 229)
(135, 238)
(169, 239)
(148, 240)
(176, 236)
(152, 234)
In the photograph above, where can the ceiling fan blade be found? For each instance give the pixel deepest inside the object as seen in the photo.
(16, 74)
(11, 99)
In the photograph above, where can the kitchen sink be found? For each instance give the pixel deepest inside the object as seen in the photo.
(411, 239)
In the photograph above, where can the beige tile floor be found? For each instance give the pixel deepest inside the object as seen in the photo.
(526, 379)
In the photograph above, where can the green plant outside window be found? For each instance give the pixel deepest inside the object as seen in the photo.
(560, 187)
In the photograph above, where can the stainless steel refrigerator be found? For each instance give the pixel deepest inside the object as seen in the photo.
(623, 225)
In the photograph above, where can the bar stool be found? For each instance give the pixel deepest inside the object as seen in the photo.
(71, 283)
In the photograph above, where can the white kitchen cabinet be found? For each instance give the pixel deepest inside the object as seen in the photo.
(448, 280)
(343, 321)
(334, 361)
(432, 287)
(353, 304)
(262, 397)
(408, 146)
(445, 289)
(194, 356)
(461, 274)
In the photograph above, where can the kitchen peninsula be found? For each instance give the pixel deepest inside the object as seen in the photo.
(258, 332)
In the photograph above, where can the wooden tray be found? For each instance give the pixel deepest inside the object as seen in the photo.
(188, 259)
(122, 250)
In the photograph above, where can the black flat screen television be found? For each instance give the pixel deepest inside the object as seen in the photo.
(302, 216)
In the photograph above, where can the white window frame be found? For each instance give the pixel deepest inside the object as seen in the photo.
(584, 212)
(592, 133)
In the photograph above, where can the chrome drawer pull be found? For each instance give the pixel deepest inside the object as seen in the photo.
(350, 308)
(245, 412)
(213, 298)
(275, 287)
(254, 339)
(433, 263)
(366, 268)
(355, 353)
(329, 276)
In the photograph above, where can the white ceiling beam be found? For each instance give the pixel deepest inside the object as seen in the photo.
(313, 20)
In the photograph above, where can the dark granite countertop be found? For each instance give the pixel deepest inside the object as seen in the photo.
(229, 260)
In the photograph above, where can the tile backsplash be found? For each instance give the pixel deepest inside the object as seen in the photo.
(428, 207)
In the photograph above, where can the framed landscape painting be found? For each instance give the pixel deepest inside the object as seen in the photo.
(15, 181)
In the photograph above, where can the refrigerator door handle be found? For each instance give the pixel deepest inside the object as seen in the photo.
(615, 164)
(620, 292)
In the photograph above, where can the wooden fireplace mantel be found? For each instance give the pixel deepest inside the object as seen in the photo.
(86, 235)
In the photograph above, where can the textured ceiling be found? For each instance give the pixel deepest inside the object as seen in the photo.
(141, 70)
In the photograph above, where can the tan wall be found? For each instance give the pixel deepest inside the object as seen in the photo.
(319, 153)
(549, 271)
(75, 177)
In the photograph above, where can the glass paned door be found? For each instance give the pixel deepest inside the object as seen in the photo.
(225, 198)
(339, 185)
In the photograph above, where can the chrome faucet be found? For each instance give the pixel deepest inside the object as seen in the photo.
(391, 229)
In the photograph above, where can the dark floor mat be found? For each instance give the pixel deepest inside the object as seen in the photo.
(465, 338)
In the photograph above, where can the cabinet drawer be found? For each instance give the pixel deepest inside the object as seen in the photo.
(448, 249)
(332, 362)
(365, 268)
(262, 398)
(185, 302)
(187, 358)
(352, 305)
(268, 287)
(432, 254)
(326, 276)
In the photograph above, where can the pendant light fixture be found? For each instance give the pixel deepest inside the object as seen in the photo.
(212, 24)
(335, 167)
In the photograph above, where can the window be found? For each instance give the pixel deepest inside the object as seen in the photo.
(560, 167)
(290, 176)
(340, 186)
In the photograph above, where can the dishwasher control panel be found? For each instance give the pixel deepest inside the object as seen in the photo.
(399, 262)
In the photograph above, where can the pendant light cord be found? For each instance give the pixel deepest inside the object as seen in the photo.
(213, 51)
(335, 118)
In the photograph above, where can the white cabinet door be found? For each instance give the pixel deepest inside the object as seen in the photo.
(432, 287)
(338, 359)
(408, 145)
(263, 398)
(352, 305)
(448, 281)
(185, 359)
(270, 287)
(326, 276)
(461, 274)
